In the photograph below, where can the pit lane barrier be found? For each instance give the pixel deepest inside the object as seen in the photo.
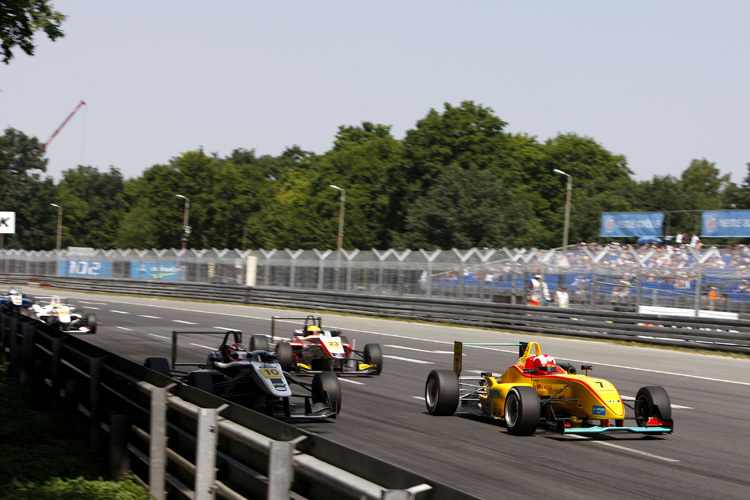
(179, 442)
(705, 333)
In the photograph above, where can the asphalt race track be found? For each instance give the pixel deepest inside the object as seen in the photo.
(707, 457)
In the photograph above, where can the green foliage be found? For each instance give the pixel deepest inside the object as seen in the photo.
(43, 455)
(77, 489)
(703, 185)
(21, 19)
(467, 208)
(457, 179)
(92, 206)
(24, 192)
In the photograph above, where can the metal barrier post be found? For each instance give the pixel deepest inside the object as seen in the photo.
(205, 453)
(281, 468)
(95, 371)
(157, 455)
(118, 446)
(27, 345)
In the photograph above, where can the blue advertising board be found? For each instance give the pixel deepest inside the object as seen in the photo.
(631, 224)
(725, 224)
(83, 267)
(155, 270)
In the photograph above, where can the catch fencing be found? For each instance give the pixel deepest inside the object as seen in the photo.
(659, 328)
(611, 277)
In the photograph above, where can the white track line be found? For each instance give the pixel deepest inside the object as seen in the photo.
(624, 448)
(418, 350)
(409, 360)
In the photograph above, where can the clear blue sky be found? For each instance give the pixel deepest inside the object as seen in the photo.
(661, 82)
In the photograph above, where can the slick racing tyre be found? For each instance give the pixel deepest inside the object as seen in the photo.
(258, 343)
(522, 410)
(91, 322)
(326, 389)
(202, 380)
(160, 365)
(652, 401)
(441, 392)
(374, 356)
(286, 358)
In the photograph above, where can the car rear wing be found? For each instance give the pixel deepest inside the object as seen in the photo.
(236, 336)
(458, 352)
(309, 320)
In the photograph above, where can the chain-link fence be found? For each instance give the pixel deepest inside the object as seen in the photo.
(617, 277)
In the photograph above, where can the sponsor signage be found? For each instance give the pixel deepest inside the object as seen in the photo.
(631, 224)
(725, 224)
(90, 268)
(155, 270)
(7, 222)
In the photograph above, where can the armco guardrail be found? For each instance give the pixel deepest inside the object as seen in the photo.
(180, 442)
(726, 335)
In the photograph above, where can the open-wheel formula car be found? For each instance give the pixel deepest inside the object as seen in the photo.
(58, 313)
(254, 379)
(538, 392)
(313, 349)
(13, 300)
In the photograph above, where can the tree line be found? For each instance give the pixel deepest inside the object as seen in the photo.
(456, 180)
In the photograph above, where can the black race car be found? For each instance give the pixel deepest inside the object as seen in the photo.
(255, 379)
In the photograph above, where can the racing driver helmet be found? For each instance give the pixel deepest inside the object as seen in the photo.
(236, 352)
(313, 330)
(542, 363)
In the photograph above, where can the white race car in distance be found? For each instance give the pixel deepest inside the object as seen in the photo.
(64, 317)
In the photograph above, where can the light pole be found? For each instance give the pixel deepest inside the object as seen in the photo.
(185, 227)
(59, 224)
(341, 220)
(567, 206)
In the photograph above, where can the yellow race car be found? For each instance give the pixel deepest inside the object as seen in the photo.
(538, 392)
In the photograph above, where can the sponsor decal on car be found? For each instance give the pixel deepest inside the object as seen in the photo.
(598, 410)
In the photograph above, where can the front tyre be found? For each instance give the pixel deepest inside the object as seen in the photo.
(441, 392)
(374, 356)
(652, 402)
(326, 389)
(522, 410)
(91, 322)
(286, 358)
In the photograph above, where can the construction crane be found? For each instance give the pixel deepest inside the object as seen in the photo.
(44, 146)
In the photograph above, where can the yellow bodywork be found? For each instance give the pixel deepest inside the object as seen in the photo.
(578, 396)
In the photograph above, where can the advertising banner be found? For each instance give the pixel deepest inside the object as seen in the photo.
(7, 222)
(631, 224)
(725, 224)
(88, 268)
(155, 271)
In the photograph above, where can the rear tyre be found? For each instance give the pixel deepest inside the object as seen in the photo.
(374, 356)
(652, 401)
(160, 365)
(258, 343)
(201, 380)
(326, 389)
(522, 411)
(441, 392)
(286, 358)
(91, 322)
